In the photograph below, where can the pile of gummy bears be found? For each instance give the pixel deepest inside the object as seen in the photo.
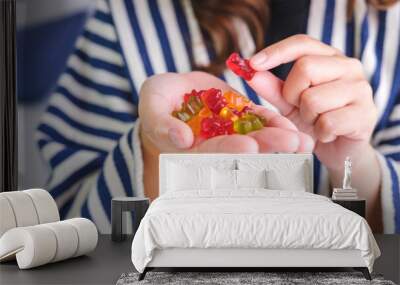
(211, 113)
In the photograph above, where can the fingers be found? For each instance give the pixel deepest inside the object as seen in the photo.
(329, 96)
(228, 144)
(160, 95)
(268, 86)
(288, 50)
(344, 122)
(274, 119)
(307, 143)
(313, 70)
(168, 134)
(273, 139)
(281, 135)
(164, 131)
(154, 93)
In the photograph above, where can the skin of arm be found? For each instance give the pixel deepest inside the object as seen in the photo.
(150, 168)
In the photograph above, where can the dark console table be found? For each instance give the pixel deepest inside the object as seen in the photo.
(111, 259)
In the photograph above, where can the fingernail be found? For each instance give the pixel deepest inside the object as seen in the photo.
(175, 138)
(259, 59)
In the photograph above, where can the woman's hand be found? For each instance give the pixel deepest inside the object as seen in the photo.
(161, 132)
(325, 95)
(162, 94)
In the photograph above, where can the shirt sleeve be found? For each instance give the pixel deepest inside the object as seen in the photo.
(390, 194)
(387, 145)
(89, 132)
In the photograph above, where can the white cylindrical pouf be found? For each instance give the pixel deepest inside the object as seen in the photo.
(40, 244)
(67, 239)
(34, 245)
(23, 207)
(7, 218)
(45, 205)
(87, 234)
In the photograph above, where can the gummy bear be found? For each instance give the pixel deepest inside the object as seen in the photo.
(247, 123)
(194, 93)
(229, 114)
(240, 66)
(245, 110)
(195, 122)
(190, 107)
(236, 101)
(257, 122)
(182, 115)
(242, 126)
(214, 100)
(194, 104)
(215, 126)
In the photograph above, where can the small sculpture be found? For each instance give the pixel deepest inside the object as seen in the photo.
(346, 192)
(347, 174)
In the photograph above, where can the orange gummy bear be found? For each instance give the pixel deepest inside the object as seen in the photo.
(195, 122)
(228, 114)
(236, 101)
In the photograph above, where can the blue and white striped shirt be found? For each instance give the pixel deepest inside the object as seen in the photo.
(89, 133)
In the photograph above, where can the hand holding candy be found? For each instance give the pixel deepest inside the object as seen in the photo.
(160, 131)
(325, 94)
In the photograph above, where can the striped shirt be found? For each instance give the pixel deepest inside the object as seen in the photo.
(89, 133)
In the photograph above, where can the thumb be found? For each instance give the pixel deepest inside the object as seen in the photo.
(269, 87)
(168, 133)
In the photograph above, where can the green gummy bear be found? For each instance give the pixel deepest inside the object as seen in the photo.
(248, 123)
(242, 126)
(182, 115)
(194, 105)
(189, 109)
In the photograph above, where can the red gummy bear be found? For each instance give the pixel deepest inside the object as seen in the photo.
(187, 96)
(245, 110)
(214, 100)
(240, 66)
(215, 126)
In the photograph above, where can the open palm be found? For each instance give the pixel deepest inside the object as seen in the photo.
(162, 94)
